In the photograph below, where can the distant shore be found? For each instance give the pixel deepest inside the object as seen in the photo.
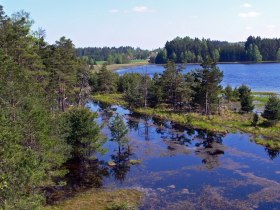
(114, 67)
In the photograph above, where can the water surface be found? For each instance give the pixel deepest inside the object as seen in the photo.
(190, 169)
(260, 77)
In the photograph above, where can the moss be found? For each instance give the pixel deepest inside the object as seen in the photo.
(271, 144)
(101, 199)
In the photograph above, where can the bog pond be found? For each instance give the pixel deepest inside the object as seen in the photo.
(182, 168)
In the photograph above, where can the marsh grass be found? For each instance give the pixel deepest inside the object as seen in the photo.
(229, 121)
(99, 199)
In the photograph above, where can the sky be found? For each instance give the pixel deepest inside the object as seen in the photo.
(149, 23)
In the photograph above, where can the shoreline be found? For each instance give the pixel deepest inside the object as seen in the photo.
(228, 122)
(115, 67)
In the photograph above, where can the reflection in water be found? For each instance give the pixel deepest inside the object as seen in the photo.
(178, 162)
(210, 148)
(83, 174)
(272, 154)
(122, 167)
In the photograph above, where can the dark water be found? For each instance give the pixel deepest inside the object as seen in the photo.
(189, 169)
(260, 77)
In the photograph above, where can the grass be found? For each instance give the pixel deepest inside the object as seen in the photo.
(261, 98)
(114, 67)
(115, 98)
(229, 121)
(99, 199)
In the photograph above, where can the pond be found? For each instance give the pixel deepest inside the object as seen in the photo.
(260, 77)
(187, 169)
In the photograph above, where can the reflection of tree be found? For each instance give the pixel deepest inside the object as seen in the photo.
(106, 112)
(145, 130)
(272, 154)
(122, 167)
(83, 173)
(132, 122)
(161, 124)
(210, 148)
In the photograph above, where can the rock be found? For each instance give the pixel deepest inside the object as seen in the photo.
(111, 163)
(185, 191)
(172, 186)
(161, 189)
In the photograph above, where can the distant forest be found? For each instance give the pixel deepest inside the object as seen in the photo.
(188, 50)
(112, 55)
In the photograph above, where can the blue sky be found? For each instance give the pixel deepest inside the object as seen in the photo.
(149, 23)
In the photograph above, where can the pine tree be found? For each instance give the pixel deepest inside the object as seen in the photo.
(118, 131)
(272, 109)
(246, 99)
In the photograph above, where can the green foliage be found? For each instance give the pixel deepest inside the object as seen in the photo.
(161, 57)
(228, 93)
(253, 53)
(206, 87)
(255, 120)
(38, 82)
(272, 109)
(118, 130)
(135, 86)
(246, 98)
(106, 80)
(278, 55)
(121, 55)
(174, 87)
(81, 131)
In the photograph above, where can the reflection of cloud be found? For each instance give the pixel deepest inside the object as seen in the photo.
(114, 11)
(246, 5)
(249, 14)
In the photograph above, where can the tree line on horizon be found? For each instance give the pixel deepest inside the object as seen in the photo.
(112, 55)
(188, 50)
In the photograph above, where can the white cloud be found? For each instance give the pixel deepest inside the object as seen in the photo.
(271, 26)
(249, 14)
(114, 11)
(249, 28)
(246, 5)
(142, 9)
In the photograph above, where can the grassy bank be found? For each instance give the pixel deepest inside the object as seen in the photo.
(101, 200)
(114, 67)
(228, 122)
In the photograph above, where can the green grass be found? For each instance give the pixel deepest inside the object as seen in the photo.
(261, 98)
(100, 62)
(137, 61)
(228, 122)
(99, 199)
(110, 99)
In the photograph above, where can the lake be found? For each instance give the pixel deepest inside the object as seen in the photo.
(187, 169)
(260, 77)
